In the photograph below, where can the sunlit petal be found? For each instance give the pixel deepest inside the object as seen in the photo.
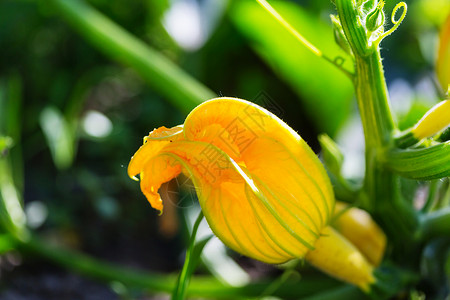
(262, 190)
(159, 138)
(158, 170)
(242, 123)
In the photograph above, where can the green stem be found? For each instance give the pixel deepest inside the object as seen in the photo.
(382, 187)
(353, 29)
(376, 117)
(369, 82)
(164, 76)
(341, 293)
(432, 196)
(405, 139)
(372, 96)
(89, 266)
(302, 39)
(206, 287)
(373, 103)
(435, 224)
(183, 281)
(381, 190)
(276, 284)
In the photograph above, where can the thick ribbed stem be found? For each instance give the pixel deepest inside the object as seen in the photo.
(381, 192)
(372, 97)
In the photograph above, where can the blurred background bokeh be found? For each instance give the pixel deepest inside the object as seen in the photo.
(75, 105)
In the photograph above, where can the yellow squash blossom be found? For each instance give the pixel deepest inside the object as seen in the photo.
(262, 190)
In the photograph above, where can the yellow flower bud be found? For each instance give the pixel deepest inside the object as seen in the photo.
(359, 228)
(339, 258)
(262, 190)
(435, 120)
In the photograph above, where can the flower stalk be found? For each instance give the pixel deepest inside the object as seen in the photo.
(380, 194)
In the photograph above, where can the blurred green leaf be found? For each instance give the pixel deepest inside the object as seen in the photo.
(11, 123)
(200, 287)
(5, 144)
(425, 12)
(325, 91)
(182, 90)
(10, 105)
(12, 216)
(417, 110)
(60, 137)
(6, 243)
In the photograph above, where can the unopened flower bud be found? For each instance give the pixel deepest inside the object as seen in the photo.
(435, 120)
(339, 35)
(375, 18)
(361, 230)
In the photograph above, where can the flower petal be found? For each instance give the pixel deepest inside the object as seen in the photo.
(263, 191)
(221, 191)
(158, 170)
(248, 220)
(284, 174)
(243, 123)
(159, 138)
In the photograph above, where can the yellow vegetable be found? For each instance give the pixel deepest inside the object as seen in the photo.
(262, 190)
(339, 258)
(358, 227)
(435, 120)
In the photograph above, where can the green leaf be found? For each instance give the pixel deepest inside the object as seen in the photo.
(420, 164)
(12, 216)
(344, 292)
(200, 286)
(6, 243)
(5, 144)
(60, 136)
(182, 90)
(418, 110)
(325, 91)
(11, 122)
(435, 224)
